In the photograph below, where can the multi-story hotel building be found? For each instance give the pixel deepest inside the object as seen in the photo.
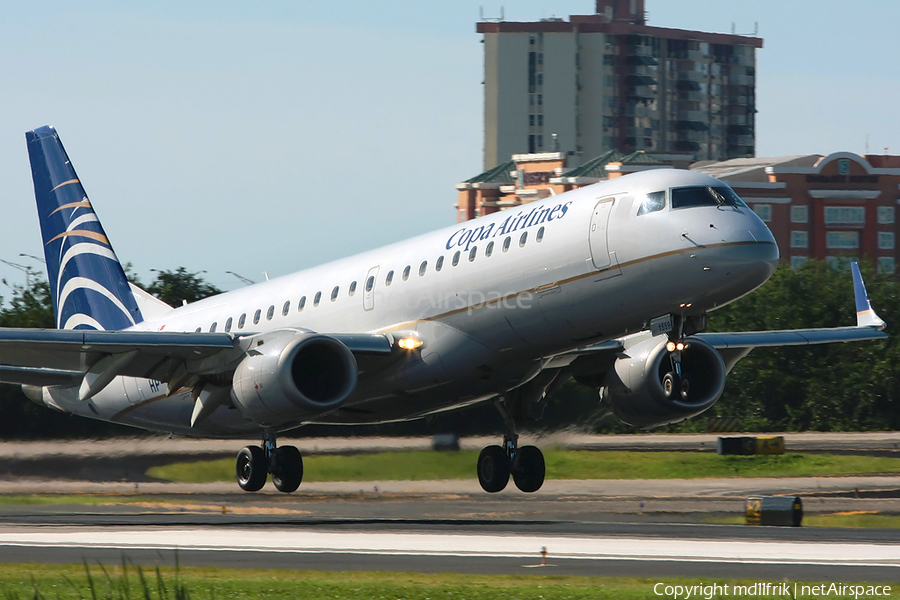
(608, 81)
(840, 206)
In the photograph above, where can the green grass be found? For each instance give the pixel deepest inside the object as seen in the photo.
(561, 464)
(71, 581)
(849, 519)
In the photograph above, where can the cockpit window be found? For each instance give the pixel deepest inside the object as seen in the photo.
(654, 201)
(706, 196)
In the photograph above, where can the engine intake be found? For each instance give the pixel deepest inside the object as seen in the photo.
(643, 389)
(290, 375)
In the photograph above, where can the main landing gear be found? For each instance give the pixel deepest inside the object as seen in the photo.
(497, 463)
(254, 464)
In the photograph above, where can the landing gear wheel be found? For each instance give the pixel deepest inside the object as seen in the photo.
(529, 476)
(251, 468)
(669, 384)
(493, 469)
(288, 471)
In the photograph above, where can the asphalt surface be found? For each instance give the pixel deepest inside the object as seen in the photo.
(607, 527)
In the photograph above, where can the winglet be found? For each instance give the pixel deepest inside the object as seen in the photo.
(865, 316)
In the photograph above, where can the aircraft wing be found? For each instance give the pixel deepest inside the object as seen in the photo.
(62, 357)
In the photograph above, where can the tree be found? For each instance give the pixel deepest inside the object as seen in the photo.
(175, 287)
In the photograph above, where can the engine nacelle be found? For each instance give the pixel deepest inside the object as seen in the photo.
(642, 390)
(288, 376)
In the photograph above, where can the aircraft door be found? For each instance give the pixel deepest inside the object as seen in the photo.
(598, 234)
(369, 288)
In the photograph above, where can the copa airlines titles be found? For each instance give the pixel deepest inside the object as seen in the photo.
(465, 237)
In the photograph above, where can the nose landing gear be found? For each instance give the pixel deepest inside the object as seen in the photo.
(497, 463)
(254, 464)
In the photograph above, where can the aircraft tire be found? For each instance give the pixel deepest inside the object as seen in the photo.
(493, 469)
(529, 477)
(289, 469)
(251, 468)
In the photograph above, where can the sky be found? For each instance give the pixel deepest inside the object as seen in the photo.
(272, 136)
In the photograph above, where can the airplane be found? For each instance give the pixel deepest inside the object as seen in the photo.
(609, 284)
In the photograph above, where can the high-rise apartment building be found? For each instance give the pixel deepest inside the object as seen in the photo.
(608, 81)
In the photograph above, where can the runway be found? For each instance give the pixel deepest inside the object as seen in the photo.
(650, 529)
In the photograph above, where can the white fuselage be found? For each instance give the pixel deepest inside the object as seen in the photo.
(493, 299)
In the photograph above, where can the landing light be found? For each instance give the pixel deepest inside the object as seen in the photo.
(670, 346)
(409, 343)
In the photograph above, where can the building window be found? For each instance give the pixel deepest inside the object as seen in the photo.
(797, 261)
(886, 265)
(540, 120)
(531, 99)
(885, 240)
(799, 239)
(540, 100)
(799, 214)
(885, 215)
(763, 211)
(540, 141)
(842, 239)
(845, 215)
(531, 120)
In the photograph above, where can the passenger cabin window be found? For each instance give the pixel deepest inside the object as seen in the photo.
(212, 328)
(317, 299)
(720, 197)
(406, 273)
(335, 292)
(389, 279)
(198, 330)
(270, 313)
(423, 267)
(523, 239)
(653, 202)
(256, 316)
(456, 258)
(473, 253)
(286, 308)
(242, 320)
(540, 235)
(370, 283)
(302, 304)
(228, 324)
(489, 250)
(352, 288)
(439, 264)
(506, 243)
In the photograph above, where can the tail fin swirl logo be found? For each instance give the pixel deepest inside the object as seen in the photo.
(87, 282)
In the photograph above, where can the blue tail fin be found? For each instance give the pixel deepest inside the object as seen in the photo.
(87, 283)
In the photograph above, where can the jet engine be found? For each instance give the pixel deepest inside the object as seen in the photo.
(644, 387)
(290, 375)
